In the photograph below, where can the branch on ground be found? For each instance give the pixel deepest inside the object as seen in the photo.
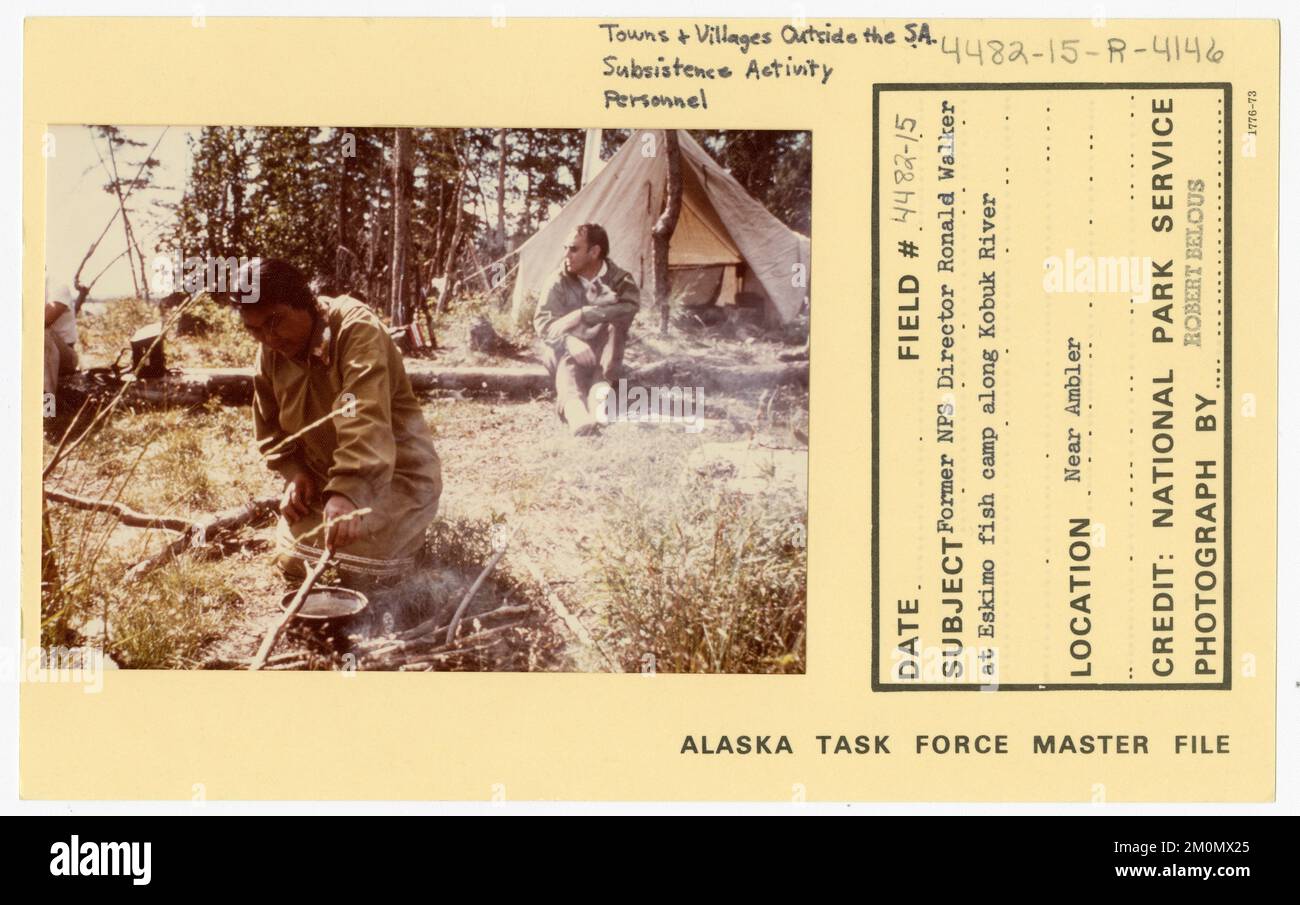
(194, 532)
(125, 514)
(203, 532)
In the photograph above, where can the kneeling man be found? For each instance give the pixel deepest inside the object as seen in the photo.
(334, 414)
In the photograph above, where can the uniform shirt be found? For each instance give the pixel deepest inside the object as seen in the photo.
(376, 442)
(565, 293)
(594, 286)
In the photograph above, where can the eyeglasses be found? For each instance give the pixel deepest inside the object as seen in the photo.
(269, 327)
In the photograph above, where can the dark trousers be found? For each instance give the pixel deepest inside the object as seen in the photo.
(572, 380)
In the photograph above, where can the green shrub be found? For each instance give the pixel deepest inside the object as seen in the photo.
(215, 337)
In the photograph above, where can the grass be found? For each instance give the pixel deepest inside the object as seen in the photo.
(173, 462)
(657, 562)
(216, 338)
(452, 326)
(710, 580)
(219, 340)
(104, 329)
(170, 618)
(166, 620)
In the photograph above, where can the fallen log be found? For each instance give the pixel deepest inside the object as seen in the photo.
(532, 379)
(188, 387)
(181, 387)
(719, 378)
(516, 381)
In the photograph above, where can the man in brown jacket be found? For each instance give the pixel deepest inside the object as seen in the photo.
(334, 414)
(582, 319)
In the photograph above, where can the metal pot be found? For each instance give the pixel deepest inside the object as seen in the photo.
(333, 607)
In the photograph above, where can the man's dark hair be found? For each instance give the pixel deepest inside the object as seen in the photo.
(595, 235)
(270, 281)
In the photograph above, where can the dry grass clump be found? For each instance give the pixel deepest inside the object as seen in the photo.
(163, 621)
(714, 582)
(214, 338)
(176, 463)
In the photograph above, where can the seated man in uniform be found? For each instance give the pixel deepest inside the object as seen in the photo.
(334, 414)
(582, 318)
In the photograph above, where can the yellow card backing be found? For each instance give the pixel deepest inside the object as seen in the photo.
(1042, 471)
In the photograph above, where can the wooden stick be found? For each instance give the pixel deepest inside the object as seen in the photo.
(190, 529)
(293, 656)
(288, 665)
(125, 514)
(431, 645)
(294, 606)
(473, 589)
(398, 660)
(470, 642)
(430, 626)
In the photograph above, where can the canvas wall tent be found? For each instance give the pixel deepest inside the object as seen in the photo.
(726, 243)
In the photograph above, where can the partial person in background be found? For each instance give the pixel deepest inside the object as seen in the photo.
(60, 338)
(582, 318)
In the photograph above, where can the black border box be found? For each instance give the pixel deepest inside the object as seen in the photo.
(1226, 88)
